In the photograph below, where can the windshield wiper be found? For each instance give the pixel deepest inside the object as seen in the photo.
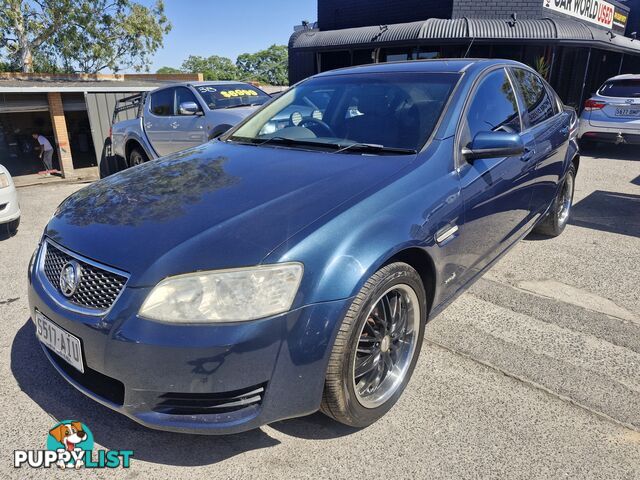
(336, 147)
(243, 105)
(278, 140)
(373, 147)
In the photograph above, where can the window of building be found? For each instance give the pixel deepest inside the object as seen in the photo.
(162, 102)
(333, 60)
(362, 57)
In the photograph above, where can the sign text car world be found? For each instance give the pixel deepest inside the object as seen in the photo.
(594, 11)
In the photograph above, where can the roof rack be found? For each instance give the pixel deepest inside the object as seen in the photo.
(129, 103)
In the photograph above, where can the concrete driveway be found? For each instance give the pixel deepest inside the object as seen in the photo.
(534, 373)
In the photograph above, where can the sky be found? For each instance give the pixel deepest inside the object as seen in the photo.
(228, 28)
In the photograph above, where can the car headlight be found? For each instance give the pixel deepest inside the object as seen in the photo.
(4, 180)
(234, 295)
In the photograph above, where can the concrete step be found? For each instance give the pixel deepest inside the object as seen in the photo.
(582, 356)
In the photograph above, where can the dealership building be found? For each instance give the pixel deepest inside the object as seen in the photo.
(73, 111)
(575, 44)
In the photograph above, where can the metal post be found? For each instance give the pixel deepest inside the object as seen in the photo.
(621, 60)
(553, 62)
(584, 79)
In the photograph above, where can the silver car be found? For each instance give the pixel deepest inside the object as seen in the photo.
(612, 114)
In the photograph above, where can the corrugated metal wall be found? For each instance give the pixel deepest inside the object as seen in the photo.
(100, 110)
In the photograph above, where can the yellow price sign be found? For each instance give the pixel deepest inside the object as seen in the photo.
(238, 93)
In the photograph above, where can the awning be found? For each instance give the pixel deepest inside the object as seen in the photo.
(547, 30)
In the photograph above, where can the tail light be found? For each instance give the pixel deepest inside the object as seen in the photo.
(110, 132)
(594, 105)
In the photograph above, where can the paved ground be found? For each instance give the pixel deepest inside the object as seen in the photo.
(534, 373)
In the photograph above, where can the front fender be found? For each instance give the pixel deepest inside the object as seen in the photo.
(342, 253)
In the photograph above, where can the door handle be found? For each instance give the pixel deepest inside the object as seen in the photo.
(528, 154)
(174, 125)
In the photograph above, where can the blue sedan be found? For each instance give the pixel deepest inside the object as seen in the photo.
(291, 265)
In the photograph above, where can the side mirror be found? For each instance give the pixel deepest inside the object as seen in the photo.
(189, 108)
(493, 145)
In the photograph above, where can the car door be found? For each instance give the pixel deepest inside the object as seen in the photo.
(549, 126)
(496, 191)
(158, 118)
(188, 128)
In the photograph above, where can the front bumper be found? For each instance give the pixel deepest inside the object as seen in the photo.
(9, 206)
(168, 377)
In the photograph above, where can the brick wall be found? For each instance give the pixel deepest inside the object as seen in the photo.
(497, 8)
(60, 132)
(504, 9)
(180, 77)
(337, 14)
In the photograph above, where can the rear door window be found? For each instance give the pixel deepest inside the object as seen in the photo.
(621, 88)
(162, 102)
(538, 102)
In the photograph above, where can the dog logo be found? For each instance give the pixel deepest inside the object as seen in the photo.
(70, 446)
(73, 437)
(70, 278)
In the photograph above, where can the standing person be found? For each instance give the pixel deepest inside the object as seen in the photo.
(46, 152)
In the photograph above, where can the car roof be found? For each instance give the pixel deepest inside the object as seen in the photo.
(445, 65)
(626, 76)
(217, 82)
(209, 83)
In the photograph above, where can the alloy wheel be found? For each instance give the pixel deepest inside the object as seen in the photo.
(565, 200)
(386, 346)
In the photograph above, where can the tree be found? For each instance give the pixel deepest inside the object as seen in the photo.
(82, 35)
(168, 70)
(213, 67)
(268, 66)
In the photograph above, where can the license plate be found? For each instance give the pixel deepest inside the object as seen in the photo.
(67, 346)
(627, 112)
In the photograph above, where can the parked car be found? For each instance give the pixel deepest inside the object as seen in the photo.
(180, 116)
(9, 205)
(612, 115)
(275, 274)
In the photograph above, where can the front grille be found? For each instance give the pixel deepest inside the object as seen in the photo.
(210, 403)
(98, 288)
(98, 383)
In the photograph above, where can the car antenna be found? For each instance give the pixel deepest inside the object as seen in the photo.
(469, 47)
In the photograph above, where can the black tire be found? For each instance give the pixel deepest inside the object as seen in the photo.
(555, 221)
(137, 157)
(340, 400)
(12, 227)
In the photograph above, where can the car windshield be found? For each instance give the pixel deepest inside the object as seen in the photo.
(231, 95)
(621, 88)
(358, 113)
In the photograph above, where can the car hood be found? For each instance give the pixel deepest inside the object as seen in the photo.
(233, 115)
(216, 206)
